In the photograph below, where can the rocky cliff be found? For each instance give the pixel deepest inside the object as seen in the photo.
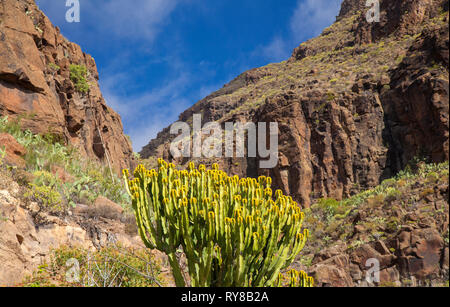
(37, 85)
(353, 105)
(29, 234)
(403, 223)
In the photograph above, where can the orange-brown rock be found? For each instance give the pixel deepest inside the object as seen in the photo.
(406, 234)
(61, 174)
(35, 85)
(14, 152)
(106, 208)
(333, 272)
(422, 253)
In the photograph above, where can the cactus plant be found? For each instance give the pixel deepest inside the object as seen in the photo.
(234, 232)
(295, 279)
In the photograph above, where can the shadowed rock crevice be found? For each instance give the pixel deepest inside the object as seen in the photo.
(416, 107)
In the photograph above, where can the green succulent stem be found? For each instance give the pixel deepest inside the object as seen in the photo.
(234, 232)
(176, 270)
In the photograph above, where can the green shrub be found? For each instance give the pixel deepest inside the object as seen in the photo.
(331, 96)
(432, 177)
(78, 75)
(47, 196)
(54, 67)
(113, 266)
(44, 178)
(392, 194)
(2, 154)
(329, 206)
(392, 182)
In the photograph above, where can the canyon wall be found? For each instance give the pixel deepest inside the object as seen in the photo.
(36, 86)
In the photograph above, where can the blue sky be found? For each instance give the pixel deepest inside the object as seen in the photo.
(156, 58)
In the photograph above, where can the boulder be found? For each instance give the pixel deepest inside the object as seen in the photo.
(333, 272)
(105, 208)
(421, 253)
(24, 245)
(14, 152)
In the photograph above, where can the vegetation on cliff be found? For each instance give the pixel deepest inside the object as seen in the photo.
(112, 266)
(78, 75)
(57, 176)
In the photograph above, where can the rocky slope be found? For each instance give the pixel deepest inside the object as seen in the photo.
(36, 85)
(403, 223)
(353, 105)
(65, 206)
(28, 233)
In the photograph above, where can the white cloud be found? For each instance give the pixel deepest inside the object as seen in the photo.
(141, 21)
(149, 112)
(312, 16)
(276, 50)
(154, 121)
(137, 19)
(137, 23)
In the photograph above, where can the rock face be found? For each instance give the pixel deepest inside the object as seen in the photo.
(23, 246)
(353, 105)
(35, 85)
(415, 257)
(28, 234)
(403, 226)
